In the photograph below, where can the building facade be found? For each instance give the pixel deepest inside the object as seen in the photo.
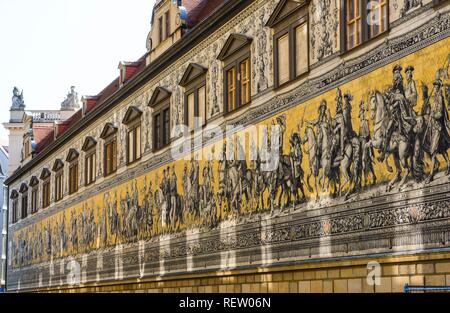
(258, 146)
(3, 215)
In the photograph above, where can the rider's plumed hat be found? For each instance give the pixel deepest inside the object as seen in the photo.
(397, 68)
(323, 104)
(348, 95)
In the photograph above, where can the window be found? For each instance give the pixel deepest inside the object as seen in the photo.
(194, 82)
(244, 78)
(290, 41)
(90, 168)
(378, 14)
(110, 149)
(24, 205)
(59, 186)
(167, 19)
(160, 103)
(364, 19)
(235, 55)
(238, 84)
(14, 212)
(26, 148)
(161, 30)
(231, 89)
(283, 59)
(34, 200)
(73, 177)
(134, 144)
(46, 193)
(110, 162)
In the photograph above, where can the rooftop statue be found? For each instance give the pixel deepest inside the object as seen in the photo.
(17, 100)
(72, 101)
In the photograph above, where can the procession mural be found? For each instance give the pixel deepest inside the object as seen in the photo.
(384, 132)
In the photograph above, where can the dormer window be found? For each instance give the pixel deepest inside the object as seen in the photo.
(167, 20)
(164, 26)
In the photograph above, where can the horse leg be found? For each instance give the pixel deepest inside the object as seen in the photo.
(447, 161)
(433, 167)
(398, 173)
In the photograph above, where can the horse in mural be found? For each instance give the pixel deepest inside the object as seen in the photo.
(399, 146)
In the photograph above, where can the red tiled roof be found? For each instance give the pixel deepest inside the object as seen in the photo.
(63, 126)
(198, 10)
(43, 135)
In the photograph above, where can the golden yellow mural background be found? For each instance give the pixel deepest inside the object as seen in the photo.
(426, 62)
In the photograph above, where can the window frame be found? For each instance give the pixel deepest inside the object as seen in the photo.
(14, 210)
(289, 28)
(193, 88)
(167, 24)
(365, 27)
(234, 62)
(131, 128)
(161, 29)
(110, 144)
(24, 205)
(90, 175)
(158, 112)
(73, 181)
(34, 199)
(59, 185)
(46, 188)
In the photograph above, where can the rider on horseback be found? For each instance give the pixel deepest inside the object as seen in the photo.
(322, 126)
(401, 116)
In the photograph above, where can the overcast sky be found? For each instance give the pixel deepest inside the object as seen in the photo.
(46, 46)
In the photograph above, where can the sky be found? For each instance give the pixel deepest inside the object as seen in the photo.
(46, 46)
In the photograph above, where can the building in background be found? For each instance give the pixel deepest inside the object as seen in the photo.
(3, 214)
(353, 184)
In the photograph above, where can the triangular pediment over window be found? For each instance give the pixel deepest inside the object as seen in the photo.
(159, 95)
(234, 43)
(14, 194)
(23, 188)
(72, 155)
(108, 130)
(89, 143)
(59, 164)
(34, 181)
(45, 173)
(284, 9)
(192, 72)
(132, 114)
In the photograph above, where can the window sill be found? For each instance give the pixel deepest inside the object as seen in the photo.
(364, 44)
(132, 163)
(162, 148)
(240, 108)
(292, 81)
